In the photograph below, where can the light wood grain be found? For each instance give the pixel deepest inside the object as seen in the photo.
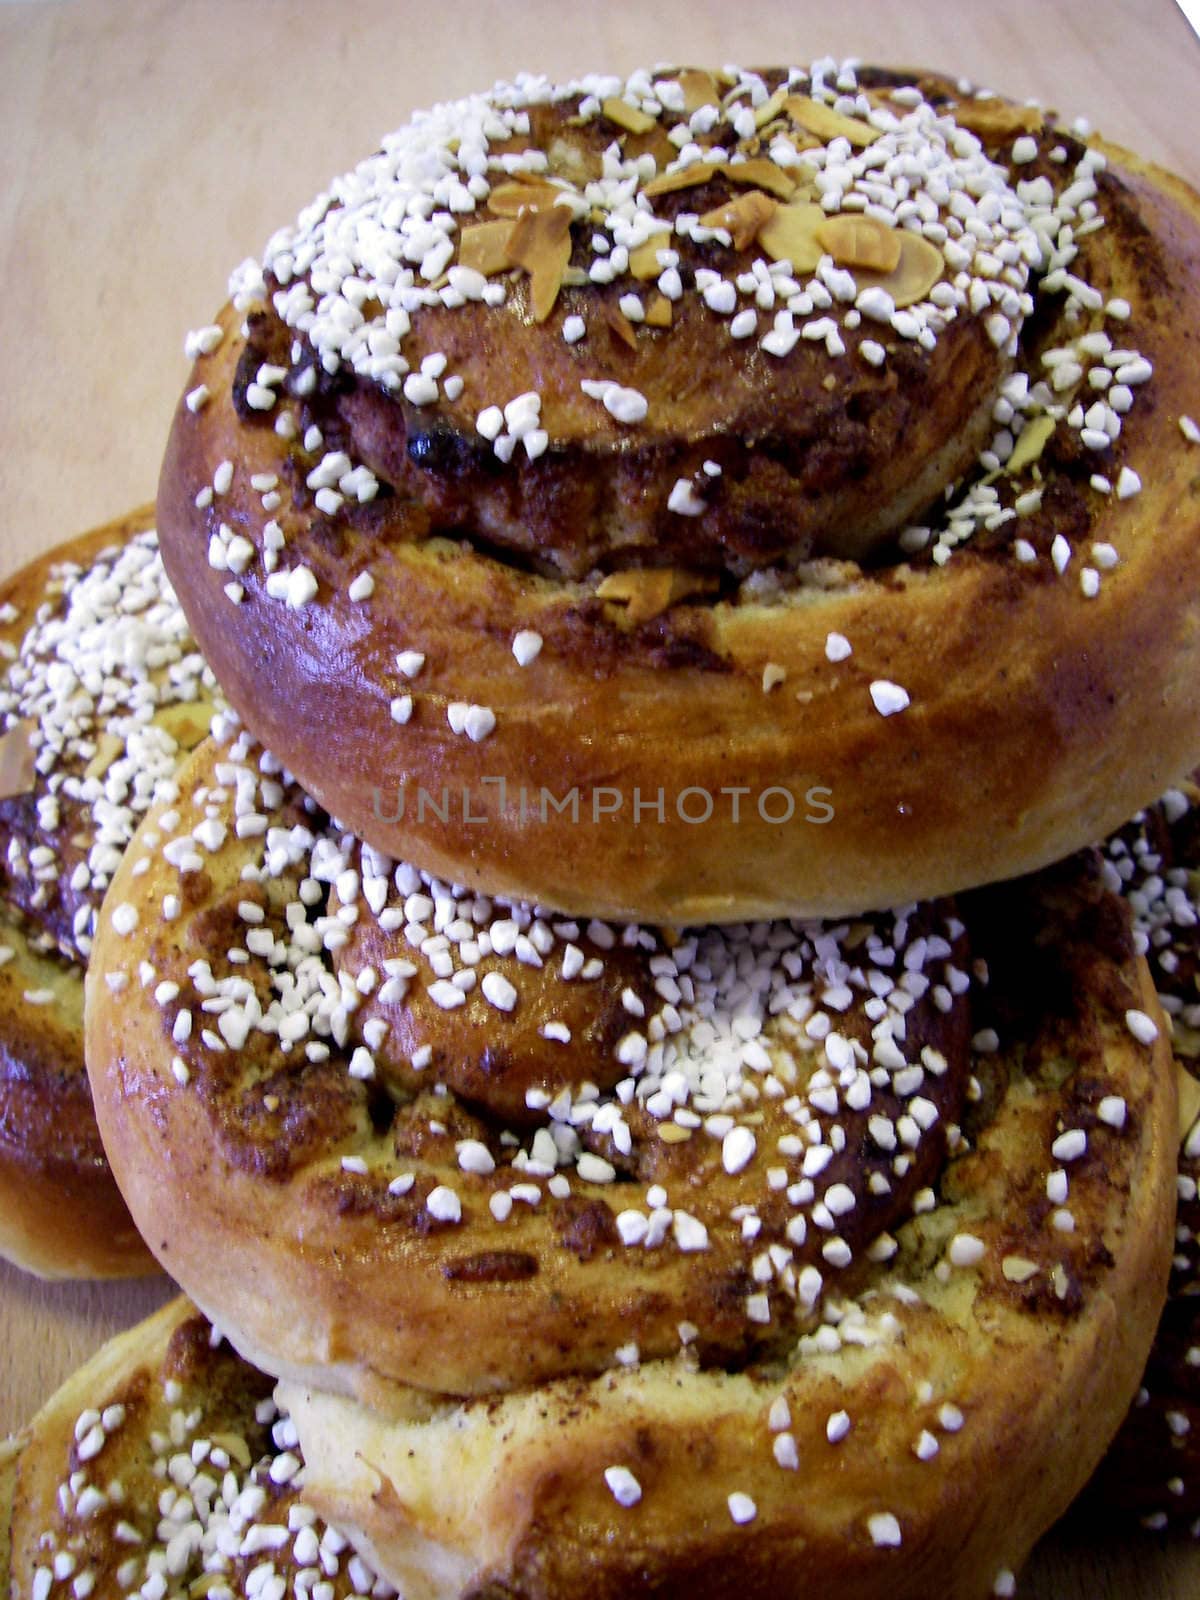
(147, 147)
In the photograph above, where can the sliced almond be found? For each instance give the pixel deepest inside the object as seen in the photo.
(857, 241)
(791, 235)
(516, 144)
(1018, 1269)
(997, 119)
(621, 326)
(699, 89)
(646, 592)
(827, 123)
(532, 180)
(626, 116)
(108, 748)
(1035, 436)
(920, 266)
(658, 312)
(234, 1446)
(485, 247)
(759, 173)
(187, 722)
(682, 178)
(743, 218)
(17, 757)
(1189, 1102)
(770, 109)
(654, 143)
(541, 243)
(510, 199)
(566, 159)
(644, 262)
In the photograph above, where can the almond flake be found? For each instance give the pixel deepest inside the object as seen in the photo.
(541, 244)
(620, 326)
(770, 109)
(827, 123)
(484, 247)
(655, 143)
(108, 747)
(760, 173)
(685, 178)
(510, 199)
(921, 265)
(699, 89)
(658, 312)
(187, 724)
(646, 592)
(997, 119)
(861, 242)
(644, 262)
(17, 757)
(1034, 438)
(1017, 1269)
(791, 235)
(235, 1447)
(743, 218)
(626, 116)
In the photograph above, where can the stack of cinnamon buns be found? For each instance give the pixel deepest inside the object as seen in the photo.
(619, 1020)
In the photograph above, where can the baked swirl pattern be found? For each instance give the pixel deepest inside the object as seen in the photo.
(102, 690)
(643, 467)
(603, 1220)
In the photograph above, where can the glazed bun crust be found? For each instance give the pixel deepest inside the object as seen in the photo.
(1024, 736)
(61, 1213)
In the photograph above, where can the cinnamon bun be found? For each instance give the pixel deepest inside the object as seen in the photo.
(605, 1233)
(710, 496)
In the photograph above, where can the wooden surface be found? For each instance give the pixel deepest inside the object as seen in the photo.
(146, 148)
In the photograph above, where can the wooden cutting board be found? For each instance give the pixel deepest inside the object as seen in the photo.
(148, 147)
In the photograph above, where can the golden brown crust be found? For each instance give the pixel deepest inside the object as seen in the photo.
(509, 1497)
(1023, 737)
(61, 1213)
